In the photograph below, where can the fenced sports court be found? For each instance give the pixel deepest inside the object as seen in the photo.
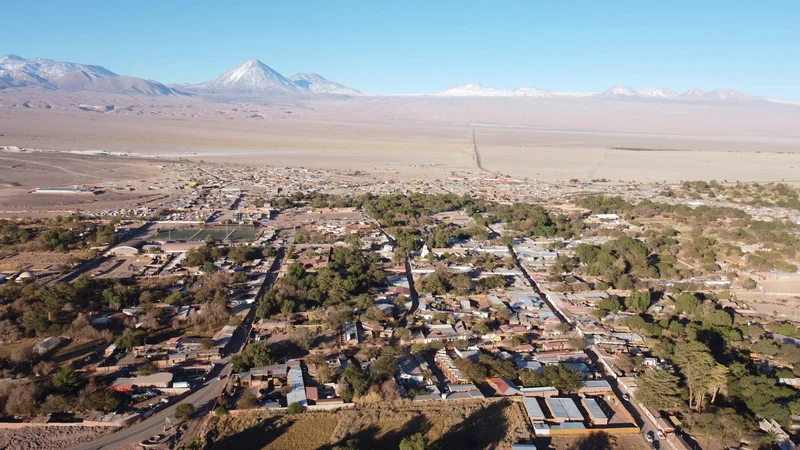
(201, 234)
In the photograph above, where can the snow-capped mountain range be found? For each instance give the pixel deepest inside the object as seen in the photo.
(254, 77)
(16, 71)
(620, 92)
(316, 83)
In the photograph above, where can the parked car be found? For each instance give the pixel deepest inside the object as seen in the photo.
(626, 398)
(660, 434)
(649, 437)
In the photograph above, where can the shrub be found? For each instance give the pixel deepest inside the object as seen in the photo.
(184, 411)
(296, 408)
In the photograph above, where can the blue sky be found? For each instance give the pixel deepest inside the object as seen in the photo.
(426, 46)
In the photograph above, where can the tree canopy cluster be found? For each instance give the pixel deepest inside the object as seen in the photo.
(560, 376)
(443, 281)
(349, 273)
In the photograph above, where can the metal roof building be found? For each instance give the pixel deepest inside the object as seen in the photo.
(563, 409)
(298, 392)
(534, 410)
(596, 414)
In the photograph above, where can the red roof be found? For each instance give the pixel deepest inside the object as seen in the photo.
(311, 393)
(500, 384)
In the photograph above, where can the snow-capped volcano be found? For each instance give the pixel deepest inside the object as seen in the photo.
(318, 84)
(658, 92)
(473, 90)
(620, 91)
(17, 72)
(252, 76)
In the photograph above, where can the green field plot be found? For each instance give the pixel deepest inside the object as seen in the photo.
(201, 234)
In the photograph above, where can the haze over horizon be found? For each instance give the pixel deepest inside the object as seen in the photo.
(423, 48)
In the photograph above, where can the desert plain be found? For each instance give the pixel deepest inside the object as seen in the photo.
(413, 137)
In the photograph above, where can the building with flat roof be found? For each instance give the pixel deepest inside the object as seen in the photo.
(543, 391)
(463, 391)
(156, 380)
(563, 409)
(595, 387)
(533, 409)
(297, 394)
(594, 411)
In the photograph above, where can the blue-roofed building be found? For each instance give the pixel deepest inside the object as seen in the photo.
(529, 364)
(578, 367)
(523, 446)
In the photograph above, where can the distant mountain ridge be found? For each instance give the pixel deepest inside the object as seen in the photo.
(256, 78)
(317, 83)
(17, 72)
(619, 92)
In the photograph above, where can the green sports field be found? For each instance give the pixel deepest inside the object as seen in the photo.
(201, 234)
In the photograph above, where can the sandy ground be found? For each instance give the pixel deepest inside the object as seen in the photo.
(20, 173)
(48, 438)
(550, 140)
(587, 156)
(778, 298)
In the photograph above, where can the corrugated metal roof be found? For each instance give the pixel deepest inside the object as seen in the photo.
(533, 408)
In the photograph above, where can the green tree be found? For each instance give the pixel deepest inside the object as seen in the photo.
(184, 411)
(66, 380)
(56, 297)
(563, 378)
(130, 340)
(658, 390)
(638, 301)
(765, 347)
(610, 304)
(147, 368)
(256, 354)
(384, 367)
(416, 441)
(100, 400)
(696, 364)
(358, 379)
(686, 303)
(471, 370)
(206, 343)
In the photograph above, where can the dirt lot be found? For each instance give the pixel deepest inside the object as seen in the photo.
(39, 261)
(20, 173)
(49, 438)
(595, 441)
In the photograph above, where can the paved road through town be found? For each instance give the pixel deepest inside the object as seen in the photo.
(203, 398)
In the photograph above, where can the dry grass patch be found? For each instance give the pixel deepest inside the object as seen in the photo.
(272, 431)
(468, 424)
